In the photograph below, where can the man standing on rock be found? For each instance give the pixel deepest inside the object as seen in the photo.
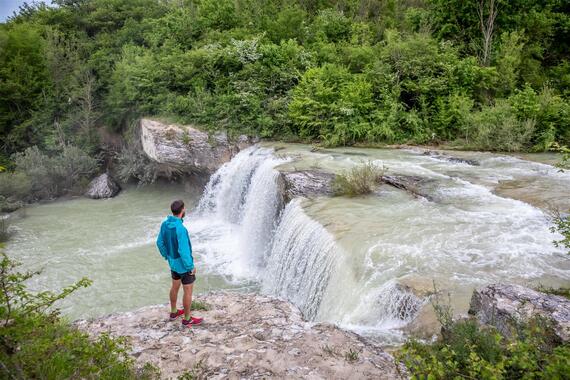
(174, 245)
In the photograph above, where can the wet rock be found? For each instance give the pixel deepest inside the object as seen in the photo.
(506, 305)
(406, 303)
(447, 157)
(227, 344)
(306, 183)
(103, 187)
(187, 149)
(411, 184)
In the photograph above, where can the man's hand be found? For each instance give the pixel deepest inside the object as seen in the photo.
(193, 271)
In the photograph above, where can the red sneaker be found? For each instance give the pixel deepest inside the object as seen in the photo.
(192, 321)
(178, 313)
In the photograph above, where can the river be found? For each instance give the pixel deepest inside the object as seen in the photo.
(363, 263)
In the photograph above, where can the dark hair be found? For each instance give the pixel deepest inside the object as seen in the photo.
(176, 207)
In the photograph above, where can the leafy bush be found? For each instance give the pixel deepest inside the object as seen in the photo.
(14, 186)
(132, 164)
(498, 128)
(359, 180)
(52, 176)
(562, 226)
(37, 343)
(468, 350)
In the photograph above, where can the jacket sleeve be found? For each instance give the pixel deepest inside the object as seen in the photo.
(160, 244)
(185, 248)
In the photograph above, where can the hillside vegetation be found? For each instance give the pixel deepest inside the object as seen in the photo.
(489, 74)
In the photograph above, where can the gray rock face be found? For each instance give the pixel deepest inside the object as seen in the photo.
(306, 183)
(310, 183)
(412, 184)
(245, 336)
(505, 305)
(103, 187)
(186, 148)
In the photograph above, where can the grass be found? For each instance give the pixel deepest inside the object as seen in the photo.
(360, 180)
(200, 305)
(564, 292)
(351, 355)
(331, 351)
(198, 371)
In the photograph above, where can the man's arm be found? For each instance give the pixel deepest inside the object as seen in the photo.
(185, 248)
(160, 244)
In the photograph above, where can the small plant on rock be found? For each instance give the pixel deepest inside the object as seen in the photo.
(351, 355)
(360, 180)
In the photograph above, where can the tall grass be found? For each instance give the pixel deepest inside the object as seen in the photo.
(360, 180)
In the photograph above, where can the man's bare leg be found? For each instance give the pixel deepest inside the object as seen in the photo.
(174, 295)
(187, 300)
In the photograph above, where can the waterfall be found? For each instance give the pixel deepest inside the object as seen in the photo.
(301, 260)
(225, 193)
(288, 252)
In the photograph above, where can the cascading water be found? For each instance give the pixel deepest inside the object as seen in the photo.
(288, 252)
(301, 260)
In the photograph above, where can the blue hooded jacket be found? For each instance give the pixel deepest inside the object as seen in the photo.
(174, 245)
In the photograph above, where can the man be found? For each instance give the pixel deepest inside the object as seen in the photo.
(174, 245)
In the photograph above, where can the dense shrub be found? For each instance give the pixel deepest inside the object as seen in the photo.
(337, 72)
(45, 176)
(37, 343)
(132, 164)
(359, 180)
(14, 186)
(469, 350)
(498, 128)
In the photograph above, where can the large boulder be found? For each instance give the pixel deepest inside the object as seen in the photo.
(505, 306)
(103, 187)
(246, 336)
(305, 183)
(187, 149)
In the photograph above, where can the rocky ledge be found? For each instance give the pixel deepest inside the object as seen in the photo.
(246, 336)
(186, 148)
(507, 305)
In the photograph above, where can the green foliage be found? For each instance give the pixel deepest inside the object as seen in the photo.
(562, 226)
(338, 72)
(498, 128)
(37, 343)
(45, 176)
(468, 350)
(351, 355)
(564, 292)
(360, 180)
(200, 305)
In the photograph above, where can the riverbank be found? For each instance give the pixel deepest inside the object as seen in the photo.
(245, 336)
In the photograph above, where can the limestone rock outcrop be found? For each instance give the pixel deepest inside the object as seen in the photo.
(506, 305)
(246, 336)
(186, 148)
(306, 183)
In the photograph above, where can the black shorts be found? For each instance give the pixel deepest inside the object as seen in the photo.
(187, 278)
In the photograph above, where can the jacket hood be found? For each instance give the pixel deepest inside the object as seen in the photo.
(172, 221)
